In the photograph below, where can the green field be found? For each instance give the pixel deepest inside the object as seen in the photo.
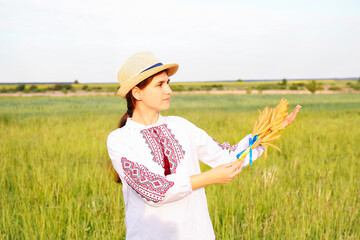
(55, 181)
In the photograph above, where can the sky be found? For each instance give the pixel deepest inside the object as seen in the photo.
(88, 41)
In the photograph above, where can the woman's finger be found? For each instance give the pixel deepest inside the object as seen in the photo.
(238, 171)
(237, 165)
(289, 119)
(295, 112)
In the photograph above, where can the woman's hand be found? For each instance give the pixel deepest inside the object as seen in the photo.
(226, 172)
(290, 118)
(221, 174)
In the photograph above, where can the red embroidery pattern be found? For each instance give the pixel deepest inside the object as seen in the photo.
(148, 185)
(164, 146)
(227, 146)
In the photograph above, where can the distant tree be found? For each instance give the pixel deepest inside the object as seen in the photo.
(59, 87)
(301, 84)
(97, 88)
(206, 87)
(33, 88)
(312, 86)
(293, 87)
(20, 87)
(284, 82)
(67, 86)
(239, 80)
(218, 86)
(76, 81)
(3, 90)
(355, 85)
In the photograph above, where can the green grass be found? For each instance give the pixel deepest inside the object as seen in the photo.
(55, 182)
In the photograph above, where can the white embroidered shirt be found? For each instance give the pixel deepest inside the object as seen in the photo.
(159, 203)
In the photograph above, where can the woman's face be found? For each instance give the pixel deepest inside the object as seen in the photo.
(156, 95)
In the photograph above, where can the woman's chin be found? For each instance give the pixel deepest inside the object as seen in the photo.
(165, 107)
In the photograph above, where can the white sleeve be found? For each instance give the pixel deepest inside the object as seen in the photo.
(214, 154)
(154, 189)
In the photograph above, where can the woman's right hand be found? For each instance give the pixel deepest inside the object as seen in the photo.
(226, 172)
(221, 174)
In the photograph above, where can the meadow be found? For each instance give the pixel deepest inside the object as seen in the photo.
(56, 183)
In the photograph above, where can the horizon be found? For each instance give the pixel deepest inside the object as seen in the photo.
(215, 81)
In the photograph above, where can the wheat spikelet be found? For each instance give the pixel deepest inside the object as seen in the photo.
(270, 122)
(267, 127)
(274, 146)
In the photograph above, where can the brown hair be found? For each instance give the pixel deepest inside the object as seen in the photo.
(131, 102)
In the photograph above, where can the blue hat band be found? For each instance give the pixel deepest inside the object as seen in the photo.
(153, 66)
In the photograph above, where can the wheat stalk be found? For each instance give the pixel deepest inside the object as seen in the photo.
(268, 126)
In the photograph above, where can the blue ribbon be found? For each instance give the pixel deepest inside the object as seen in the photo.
(155, 65)
(237, 156)
(251, 142)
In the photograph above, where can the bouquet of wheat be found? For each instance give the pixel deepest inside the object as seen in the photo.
(267, 127)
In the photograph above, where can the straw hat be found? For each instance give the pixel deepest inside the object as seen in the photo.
(139, 67)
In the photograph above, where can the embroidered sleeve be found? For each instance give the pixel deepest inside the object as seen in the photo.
(154, 189)
(212, 152)
(148, 185)
(227, 146)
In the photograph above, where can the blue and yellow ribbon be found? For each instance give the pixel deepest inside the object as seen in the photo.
(243, 153)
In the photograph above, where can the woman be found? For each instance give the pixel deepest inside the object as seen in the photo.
(157, 158)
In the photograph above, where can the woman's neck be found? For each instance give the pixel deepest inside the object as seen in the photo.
(146, 118)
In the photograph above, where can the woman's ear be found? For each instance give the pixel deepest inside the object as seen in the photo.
(136, 92)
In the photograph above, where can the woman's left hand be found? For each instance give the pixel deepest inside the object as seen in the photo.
(290, 118)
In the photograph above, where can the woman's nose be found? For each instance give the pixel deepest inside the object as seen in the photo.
(168, 89)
